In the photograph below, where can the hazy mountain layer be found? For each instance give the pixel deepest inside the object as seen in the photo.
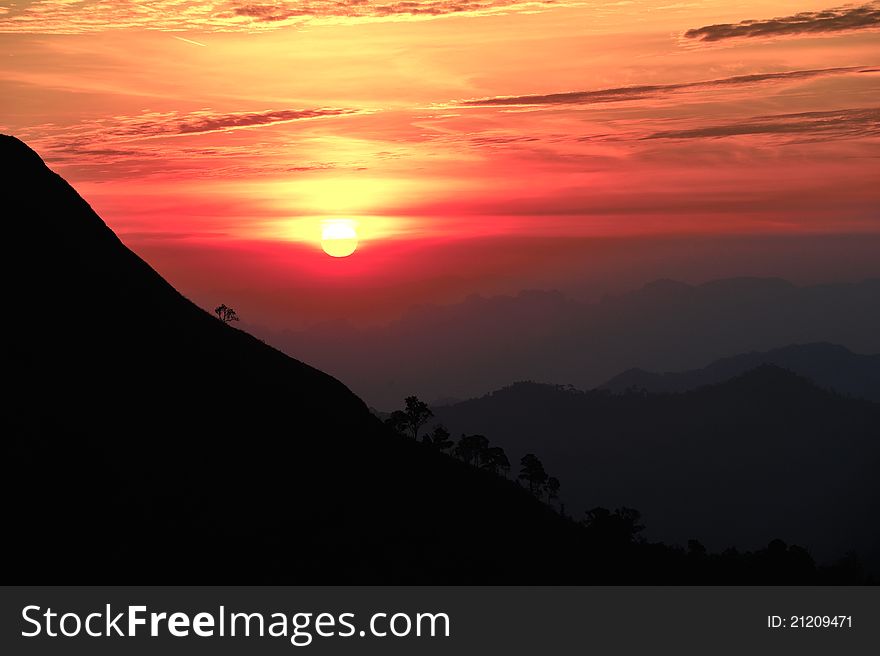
(828, 365)
(480, 344)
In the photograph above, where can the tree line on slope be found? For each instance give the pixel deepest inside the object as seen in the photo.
(474, 450)
(614, 537)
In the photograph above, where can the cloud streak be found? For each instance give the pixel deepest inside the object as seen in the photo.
(190, 41)
(829, 21)
(199, 123)
(66, 17)
(154, 141)
(620, 94)
(174, 124)
(844, 123)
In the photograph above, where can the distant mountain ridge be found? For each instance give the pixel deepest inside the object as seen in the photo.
(464, 349)
(830, 366)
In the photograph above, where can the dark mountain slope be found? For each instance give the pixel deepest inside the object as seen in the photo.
(145, 441)
(765, 454)
(828, 365)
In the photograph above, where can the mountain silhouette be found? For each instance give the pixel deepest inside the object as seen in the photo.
(764, 454)
(148, 441)
(462, 350)
(830, 366)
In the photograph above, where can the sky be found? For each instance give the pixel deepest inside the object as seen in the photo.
(476, 146)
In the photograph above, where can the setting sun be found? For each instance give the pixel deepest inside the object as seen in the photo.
(339, 237)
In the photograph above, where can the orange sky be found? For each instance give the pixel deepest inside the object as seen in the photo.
(481, 146)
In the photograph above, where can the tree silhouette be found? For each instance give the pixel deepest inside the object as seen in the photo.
(696, 550)
(615, 529)
(225, 314)
(470, 447)
(439, 439)
(533, 472)
(398, 422)
(417, 414)
(552, 488)
(409, 421)
(494, 459)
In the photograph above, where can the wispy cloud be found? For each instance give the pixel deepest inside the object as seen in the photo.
(838, 19)
(170, 124)
(200, 122)
(620, 94)
(70, 17)
(155, 142)
(843, 123)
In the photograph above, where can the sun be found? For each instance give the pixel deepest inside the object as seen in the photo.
(339, 237)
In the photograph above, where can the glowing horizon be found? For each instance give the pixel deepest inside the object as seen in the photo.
(201, 129)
